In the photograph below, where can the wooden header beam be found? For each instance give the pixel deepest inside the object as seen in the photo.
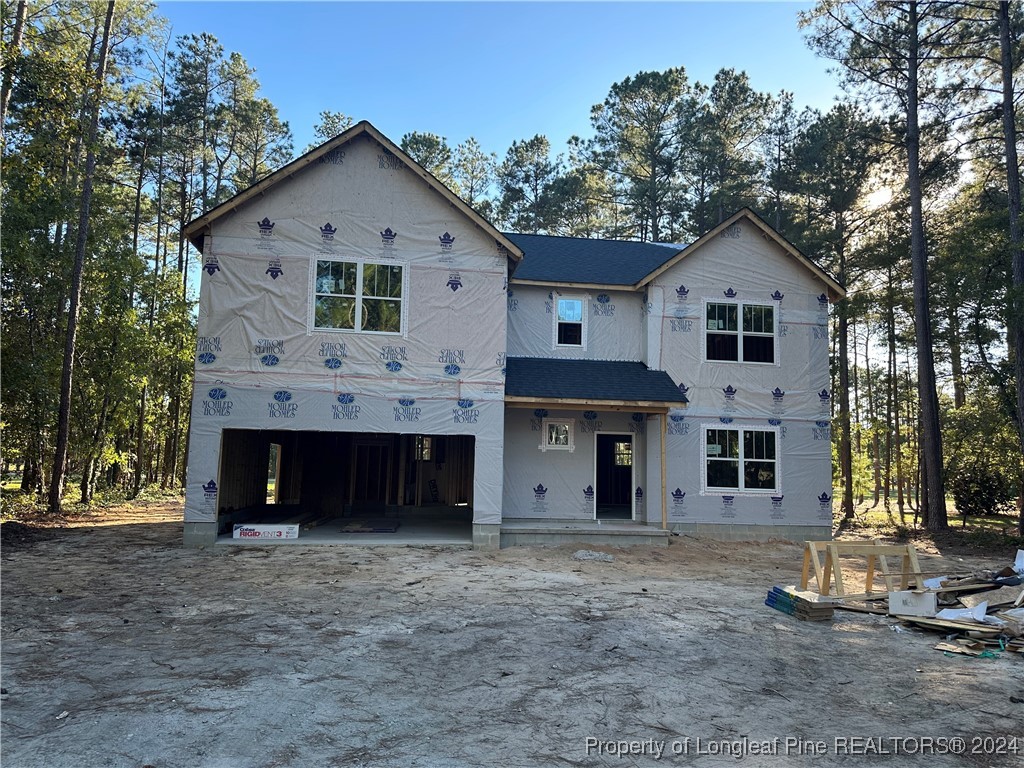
(637, 406)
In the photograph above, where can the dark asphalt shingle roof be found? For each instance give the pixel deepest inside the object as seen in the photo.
(583, 260)
(588, 380)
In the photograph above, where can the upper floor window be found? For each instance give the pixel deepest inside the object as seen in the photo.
(570, 321)
(740, 459)
(358, 296)
(739, 332)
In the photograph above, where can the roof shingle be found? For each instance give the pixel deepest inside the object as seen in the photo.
(592, 380)
(583, 260)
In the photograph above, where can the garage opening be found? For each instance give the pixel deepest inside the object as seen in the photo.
(348, 486)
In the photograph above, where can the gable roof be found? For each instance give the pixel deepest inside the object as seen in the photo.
(589, 381)
(835, 289)
(196, 229)
(586, 261)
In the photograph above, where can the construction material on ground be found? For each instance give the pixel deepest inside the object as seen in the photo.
(264, 531)
(910, 603)
(588, 554)
(877, 564)
(375, 525)
(805, 606)
(995, 598)
(978, 612)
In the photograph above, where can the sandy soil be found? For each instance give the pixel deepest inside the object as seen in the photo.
(122, 649)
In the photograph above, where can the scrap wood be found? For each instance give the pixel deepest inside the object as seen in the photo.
(865, 608)
(966, 650)
(994, 597)
(967, 627)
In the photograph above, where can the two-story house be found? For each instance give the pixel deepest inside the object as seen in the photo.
(376, 347)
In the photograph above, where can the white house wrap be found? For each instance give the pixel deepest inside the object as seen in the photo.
(351, 306)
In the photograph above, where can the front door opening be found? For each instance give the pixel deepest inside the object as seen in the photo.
(614, 481)
(273, 472)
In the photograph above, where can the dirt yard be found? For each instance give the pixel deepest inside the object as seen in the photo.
(122, 649)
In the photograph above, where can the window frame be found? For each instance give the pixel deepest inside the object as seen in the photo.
(570, 425)
(584, 301)
(403, 299)
(740, 490)
(739, 332)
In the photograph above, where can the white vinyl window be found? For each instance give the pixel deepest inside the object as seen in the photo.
(570, 315)
(359, 296)
(557, 435)
(740, 459)
(739, 332)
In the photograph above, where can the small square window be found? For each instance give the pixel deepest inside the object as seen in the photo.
(557, 435)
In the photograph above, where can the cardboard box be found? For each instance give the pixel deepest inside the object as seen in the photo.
(911, 603)
(251, 531)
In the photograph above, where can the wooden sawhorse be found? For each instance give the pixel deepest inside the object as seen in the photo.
(833, 550)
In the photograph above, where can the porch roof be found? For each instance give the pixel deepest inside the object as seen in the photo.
(589, 382)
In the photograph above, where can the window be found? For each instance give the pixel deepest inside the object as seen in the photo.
(570, 322)
(557, 435)
(743, 333)
(623, 454)
(422, 448)
(740, 459)
(358, 296)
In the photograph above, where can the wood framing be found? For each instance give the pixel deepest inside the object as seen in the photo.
(876, 554)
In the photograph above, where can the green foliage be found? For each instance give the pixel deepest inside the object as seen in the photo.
(331, 124)
(981, 490)
(525, 178)
(179, 130)
(433, 153)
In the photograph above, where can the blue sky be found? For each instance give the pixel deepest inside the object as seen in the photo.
(498, 71)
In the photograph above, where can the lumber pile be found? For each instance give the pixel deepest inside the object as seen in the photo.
(805, 606)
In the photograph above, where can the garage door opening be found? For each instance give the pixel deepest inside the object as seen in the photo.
(361, 487)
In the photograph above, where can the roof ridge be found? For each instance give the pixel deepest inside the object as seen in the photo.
(593, 239)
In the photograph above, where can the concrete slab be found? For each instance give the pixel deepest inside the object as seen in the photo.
(410, 533)
(541, 533)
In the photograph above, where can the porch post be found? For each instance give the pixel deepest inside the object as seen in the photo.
(664, 503)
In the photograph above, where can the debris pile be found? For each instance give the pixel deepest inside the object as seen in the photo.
(979, 614)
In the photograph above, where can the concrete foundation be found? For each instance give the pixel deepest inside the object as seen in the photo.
(542, 533)
(797, 533)
(198, 535)
(486, 536)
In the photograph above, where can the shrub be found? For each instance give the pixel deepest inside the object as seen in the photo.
(980, 490)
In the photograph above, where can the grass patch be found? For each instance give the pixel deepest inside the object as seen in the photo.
(993, 533)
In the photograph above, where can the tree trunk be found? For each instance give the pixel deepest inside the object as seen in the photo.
(955, 350)
(872, 420)
(1016, 236)
(15, 50)
(845, 445)
(931, 436)
(67, 371)
(894, 396)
